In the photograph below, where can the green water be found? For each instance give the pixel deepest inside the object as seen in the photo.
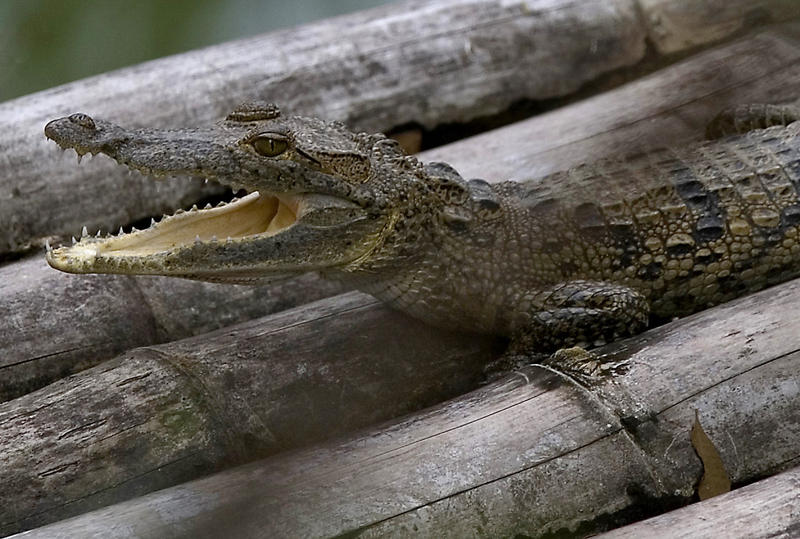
(44, 43)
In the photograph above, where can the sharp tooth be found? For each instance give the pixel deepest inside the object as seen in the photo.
(194, 207)
(133, 229)
(205, 181)
(84, 232)
(74, 241)
(208, 206)
(98, 233)
(47, 245)
(222, 203)
(197, 239)
(120, 232)
(152, 221)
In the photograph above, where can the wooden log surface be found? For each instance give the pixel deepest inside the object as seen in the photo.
(55, 324)
(670, 106)
(667, 107)
(167, 413)
(426, 63)
(531, 455)
(676, 25)
(768, 508)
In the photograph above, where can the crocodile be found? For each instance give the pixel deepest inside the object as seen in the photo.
(580, 256)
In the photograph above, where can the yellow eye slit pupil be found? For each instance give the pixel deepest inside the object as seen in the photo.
(270, 145)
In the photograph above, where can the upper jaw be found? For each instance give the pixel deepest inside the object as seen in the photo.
(154, 152)
(215, 153)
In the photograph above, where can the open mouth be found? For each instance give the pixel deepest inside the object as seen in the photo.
(259, 214)
(252, 215)
(285, 225)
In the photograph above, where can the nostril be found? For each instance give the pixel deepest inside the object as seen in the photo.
(83, 120)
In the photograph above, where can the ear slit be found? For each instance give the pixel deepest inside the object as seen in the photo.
(347, 165)
(308, 156)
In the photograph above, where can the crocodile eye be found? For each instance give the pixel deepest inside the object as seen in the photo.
(270, 144)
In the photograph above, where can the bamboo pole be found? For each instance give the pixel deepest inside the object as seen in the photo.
(531, 455)
(767, 508)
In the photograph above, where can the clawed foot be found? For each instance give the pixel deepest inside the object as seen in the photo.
(510, 362)
(584, 366)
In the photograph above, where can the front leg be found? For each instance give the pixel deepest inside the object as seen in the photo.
(581, 313)
(575, 313)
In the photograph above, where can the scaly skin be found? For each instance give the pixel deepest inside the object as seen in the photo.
(579, 255)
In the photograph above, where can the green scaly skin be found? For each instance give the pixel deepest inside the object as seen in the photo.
(573, 257)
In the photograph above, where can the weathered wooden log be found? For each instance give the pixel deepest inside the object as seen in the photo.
(667, 107)
(54, 324)
(532, 455)
(768, 508)
(676, 25)
(646, 113)
(414, 61)
(167, 413)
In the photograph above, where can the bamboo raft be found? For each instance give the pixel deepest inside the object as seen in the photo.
(150, 407)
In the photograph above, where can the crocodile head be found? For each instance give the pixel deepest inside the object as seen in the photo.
(319, 197)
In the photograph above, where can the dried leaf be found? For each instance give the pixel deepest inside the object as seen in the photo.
(715, 480)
